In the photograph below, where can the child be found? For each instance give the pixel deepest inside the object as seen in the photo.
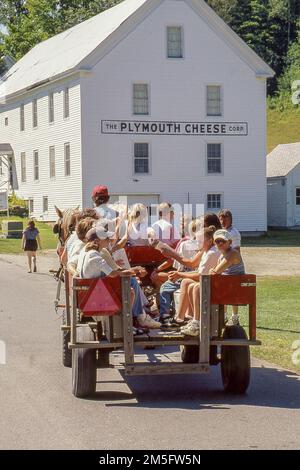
(93, 264)
(30, 243)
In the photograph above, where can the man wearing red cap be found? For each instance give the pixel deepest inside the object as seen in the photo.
(100, 198)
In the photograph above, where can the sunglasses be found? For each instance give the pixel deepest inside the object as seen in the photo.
(220, 242)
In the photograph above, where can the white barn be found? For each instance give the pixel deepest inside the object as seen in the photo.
(158, 99)
(283, 172)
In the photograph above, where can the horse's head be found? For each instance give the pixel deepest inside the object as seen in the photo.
(66, 224)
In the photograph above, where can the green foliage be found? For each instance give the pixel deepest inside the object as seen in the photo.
(17, 206)
(29, 22)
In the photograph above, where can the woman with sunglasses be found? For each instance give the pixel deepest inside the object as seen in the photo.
(230, 262)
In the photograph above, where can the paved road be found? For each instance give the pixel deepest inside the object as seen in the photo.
(38, 411)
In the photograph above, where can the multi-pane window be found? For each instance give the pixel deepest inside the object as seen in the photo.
(23, 167)
(34, 113)
(51, 107)
(36, 170)
(174, 40)
(141, 98)
(31, 205)
(52, 161)
(141, 158)
(214, 100)
(214, 201)
(67, 159)
(45, 204)
(66, 103)
(297, 196)
(22, 117)
(214, 158)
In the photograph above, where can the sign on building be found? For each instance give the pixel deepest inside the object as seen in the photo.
(174, 128)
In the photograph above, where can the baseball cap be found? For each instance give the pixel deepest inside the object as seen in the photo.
(222, 235)
(100, 191)
(99, 233)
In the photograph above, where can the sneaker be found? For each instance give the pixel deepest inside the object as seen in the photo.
(234, 320)
(145, 321)
(192, 329)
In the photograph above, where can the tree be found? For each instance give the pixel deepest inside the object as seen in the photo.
(29, 22)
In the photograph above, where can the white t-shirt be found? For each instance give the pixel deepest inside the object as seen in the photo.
(236, 237)
(209, 260)
(164, 230)
(75, 251)
(106, 212)
(186, 249)
(91, 265)
(138, 234)
(72, 239)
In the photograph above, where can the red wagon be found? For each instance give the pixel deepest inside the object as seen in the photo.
(100, 321)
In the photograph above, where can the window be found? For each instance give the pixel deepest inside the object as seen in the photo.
(52, 162)
(66, 103)
(51, 107)
(34, 114)
(67, 160)
(36, 172)
(22, 117)
(45, 204)
(174, 38)
(214, 158)
(297, 196)
(214, 100)
(140, 98)
(31, 205)
(23, 167)
(214, 201)
(6, 121)
(141, 158)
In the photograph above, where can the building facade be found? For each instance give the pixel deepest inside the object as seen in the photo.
(168, 104)
(283, 172)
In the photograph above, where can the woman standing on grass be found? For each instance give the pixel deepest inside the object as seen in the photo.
(30, 243)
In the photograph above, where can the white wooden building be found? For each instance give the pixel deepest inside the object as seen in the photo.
(158, 99)
(283, 171)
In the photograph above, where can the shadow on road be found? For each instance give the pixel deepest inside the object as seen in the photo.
(270, 388)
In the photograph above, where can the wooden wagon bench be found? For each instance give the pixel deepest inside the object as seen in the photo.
(99, 320)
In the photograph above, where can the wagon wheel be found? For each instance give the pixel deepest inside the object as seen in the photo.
(235, 363)
(190, 355)
(84, 366)
(66, 352)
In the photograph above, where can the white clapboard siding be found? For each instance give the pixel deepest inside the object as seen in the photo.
(63, 191)
(177, 93)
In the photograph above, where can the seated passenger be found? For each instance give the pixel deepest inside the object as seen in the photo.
(78, 244)
(164, 229)
(229, 263)
(187, 248)
(101, 198)
(190, 285)
(95, 262)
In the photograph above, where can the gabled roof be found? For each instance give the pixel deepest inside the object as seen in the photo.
(283, 159)
(71, 50)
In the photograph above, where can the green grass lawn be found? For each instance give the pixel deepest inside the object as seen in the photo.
(48, 239)
(288, 238)
(278, 319)
(283, 127)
